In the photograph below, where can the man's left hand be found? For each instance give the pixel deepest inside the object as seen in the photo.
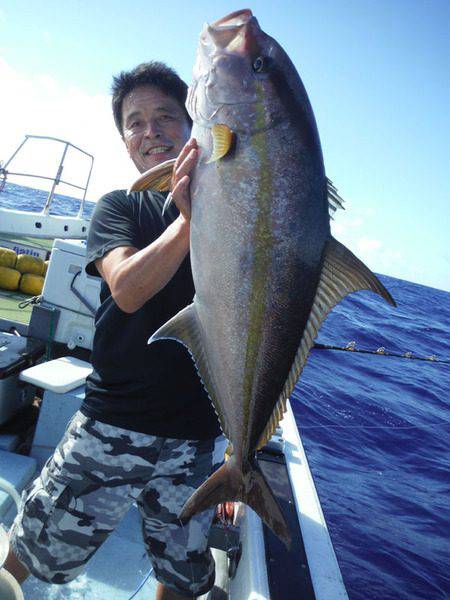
(184, 165)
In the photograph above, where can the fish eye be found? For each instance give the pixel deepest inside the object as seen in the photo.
(261, 64)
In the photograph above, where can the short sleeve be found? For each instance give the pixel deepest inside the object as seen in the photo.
(112, 225)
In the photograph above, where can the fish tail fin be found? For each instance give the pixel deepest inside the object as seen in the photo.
(229, 484)
(261, 498)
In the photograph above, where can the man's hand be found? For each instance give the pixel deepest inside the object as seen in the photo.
(184, 165)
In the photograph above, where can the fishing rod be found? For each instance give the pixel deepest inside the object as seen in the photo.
(351, 347)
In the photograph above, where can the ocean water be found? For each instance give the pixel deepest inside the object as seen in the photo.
(20, 197)
(376, 431)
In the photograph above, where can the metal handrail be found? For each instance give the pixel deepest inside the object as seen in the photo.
(57, 179)
(43, 177)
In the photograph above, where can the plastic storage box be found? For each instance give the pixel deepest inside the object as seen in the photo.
(16, 353)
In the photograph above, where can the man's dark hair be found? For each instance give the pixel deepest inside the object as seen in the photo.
(151, 73)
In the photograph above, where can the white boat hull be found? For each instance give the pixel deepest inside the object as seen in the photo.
(39, 225)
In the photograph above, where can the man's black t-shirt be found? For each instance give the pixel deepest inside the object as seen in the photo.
(147, 388)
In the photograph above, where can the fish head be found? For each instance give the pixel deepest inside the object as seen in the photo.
(243, 77)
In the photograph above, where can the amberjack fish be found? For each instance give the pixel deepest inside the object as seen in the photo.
(265, 267)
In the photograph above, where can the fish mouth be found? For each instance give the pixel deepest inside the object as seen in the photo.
(232, 32)
(234, 19)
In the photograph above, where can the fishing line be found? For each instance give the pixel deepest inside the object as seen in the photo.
(351, 347)
(141, 585)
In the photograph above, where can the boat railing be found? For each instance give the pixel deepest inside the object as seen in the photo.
(4, 172)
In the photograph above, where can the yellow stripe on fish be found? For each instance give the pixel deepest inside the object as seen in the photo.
(263, 244)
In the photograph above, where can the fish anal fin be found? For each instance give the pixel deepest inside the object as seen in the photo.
(342, 273)
(158, 178)
(185, 328)
(230, 484)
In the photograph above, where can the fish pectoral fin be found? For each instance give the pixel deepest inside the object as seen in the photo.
(229, 484)
(158, 178)
(342, 273)
(186, 329)
(223, 141)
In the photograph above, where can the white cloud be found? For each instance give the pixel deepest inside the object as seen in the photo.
(40, 105)
(347, 222)
(349, 227)
(346, 225)
(366, 245)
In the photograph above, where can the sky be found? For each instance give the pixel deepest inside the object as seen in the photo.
(376, 71)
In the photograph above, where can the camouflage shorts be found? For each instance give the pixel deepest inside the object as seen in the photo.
(95, 474)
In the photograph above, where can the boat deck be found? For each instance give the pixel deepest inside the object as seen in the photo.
(10, 309)
(40, 243)
(10, 301)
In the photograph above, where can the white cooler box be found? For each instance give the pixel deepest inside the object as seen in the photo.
(70, 298)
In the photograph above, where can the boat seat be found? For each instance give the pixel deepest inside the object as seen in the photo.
(63, 380)
(9, 441)
(60, 375)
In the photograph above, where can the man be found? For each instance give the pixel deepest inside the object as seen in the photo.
(146, 430)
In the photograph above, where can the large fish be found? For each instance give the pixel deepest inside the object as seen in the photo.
(266, 269)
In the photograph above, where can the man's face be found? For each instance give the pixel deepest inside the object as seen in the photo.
(155, 127)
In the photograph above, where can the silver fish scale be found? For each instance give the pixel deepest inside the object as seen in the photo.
(231, 258)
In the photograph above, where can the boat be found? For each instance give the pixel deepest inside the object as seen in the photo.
(32, 233)
(18, 226)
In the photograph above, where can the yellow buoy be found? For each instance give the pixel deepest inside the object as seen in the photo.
(9, 278)
(31, 284)
(29, 264)
(45, 268)
(8, 258)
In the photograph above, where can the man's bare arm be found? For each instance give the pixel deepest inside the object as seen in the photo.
(134, 276)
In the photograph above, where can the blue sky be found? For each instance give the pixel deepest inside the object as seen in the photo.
(377, 73)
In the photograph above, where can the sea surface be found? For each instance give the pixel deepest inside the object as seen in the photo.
(376, 430)
(20, 197)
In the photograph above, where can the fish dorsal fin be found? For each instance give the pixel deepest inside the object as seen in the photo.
(342, 273)
(157, 178)
(185, 327)
(334, 200)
